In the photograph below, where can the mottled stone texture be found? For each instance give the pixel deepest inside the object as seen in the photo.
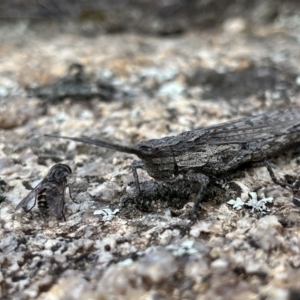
(162, 86)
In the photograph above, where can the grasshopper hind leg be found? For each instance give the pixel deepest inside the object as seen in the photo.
(272, 175)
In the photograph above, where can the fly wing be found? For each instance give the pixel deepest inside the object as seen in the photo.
(33, 194)
(55, 196)
(258, 127)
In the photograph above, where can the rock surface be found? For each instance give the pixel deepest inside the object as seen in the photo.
(167, 86)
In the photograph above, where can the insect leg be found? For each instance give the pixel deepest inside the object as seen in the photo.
(36, 195)
(203, 180)
(272, 175)
(137, 164)
(69, 187)
(63, 216)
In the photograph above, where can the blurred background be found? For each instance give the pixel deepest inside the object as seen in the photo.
(147, 16)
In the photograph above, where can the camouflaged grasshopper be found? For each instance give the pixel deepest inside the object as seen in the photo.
(212, 151)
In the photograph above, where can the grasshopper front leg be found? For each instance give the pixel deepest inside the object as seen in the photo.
(189, 176)
(136, 164)
(203, 180)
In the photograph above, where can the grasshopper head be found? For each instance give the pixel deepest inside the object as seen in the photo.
(158, 159)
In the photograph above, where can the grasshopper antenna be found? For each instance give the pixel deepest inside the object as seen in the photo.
(100, 143)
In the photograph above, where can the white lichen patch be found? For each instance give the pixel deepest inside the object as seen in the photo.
(236, 203)
(255, 204)
(106, 213)
(259, 205)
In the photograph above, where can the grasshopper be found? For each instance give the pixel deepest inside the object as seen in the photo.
(201, 154)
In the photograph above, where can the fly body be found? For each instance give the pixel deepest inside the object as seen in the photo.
(49, 194)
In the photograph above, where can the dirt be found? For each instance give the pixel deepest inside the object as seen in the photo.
(158, 85)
